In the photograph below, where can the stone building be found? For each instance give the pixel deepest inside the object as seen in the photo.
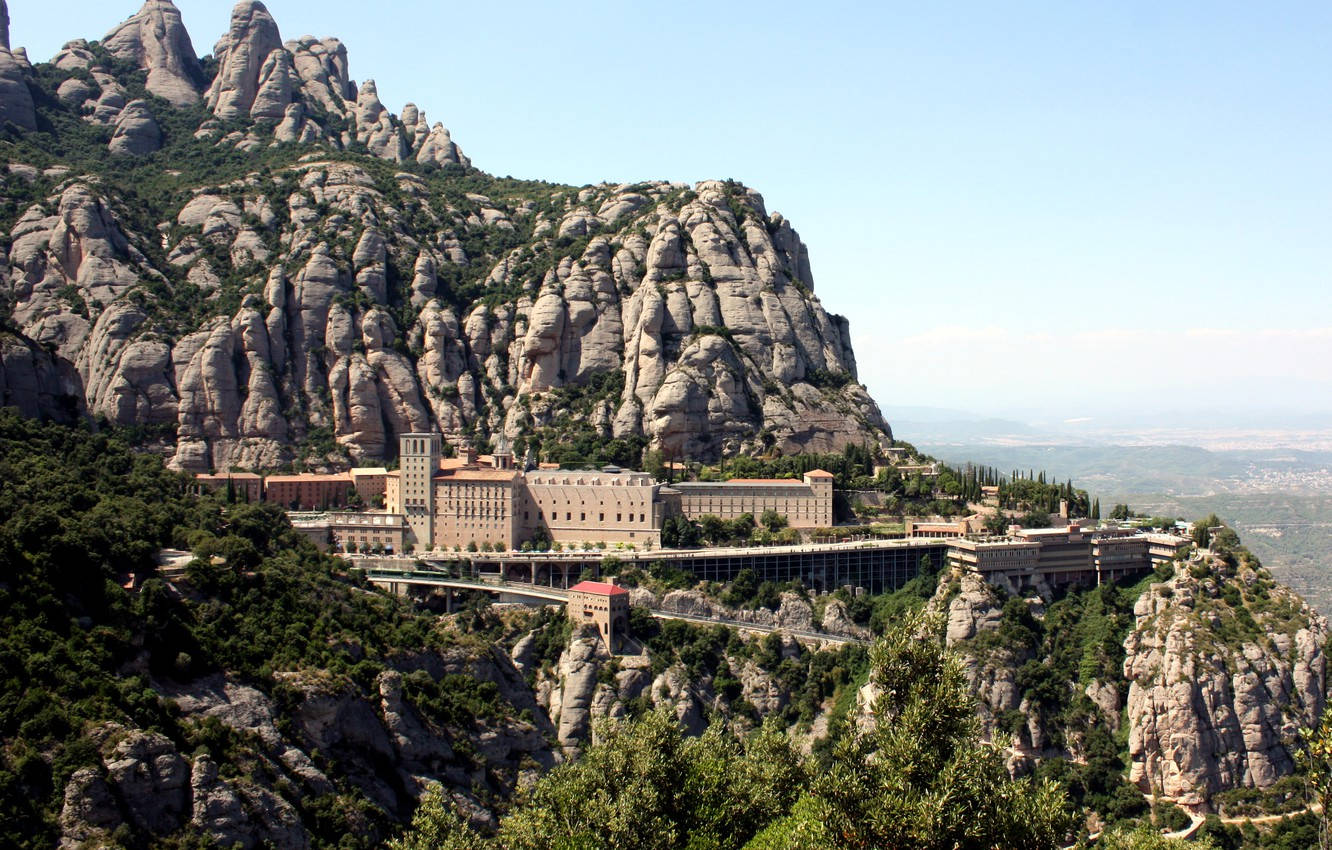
(308, 491)
(609, 505)
(474, 504)
(806, 503)
(369, 483)
(1063, 556)
(484, 500)
(362, 530)
(604, 606)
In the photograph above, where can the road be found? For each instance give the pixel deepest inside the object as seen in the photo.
(427, 578)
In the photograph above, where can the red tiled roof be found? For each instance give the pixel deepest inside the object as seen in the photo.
(599, 588)
(820, 473)
(763, 481)
(476, 474)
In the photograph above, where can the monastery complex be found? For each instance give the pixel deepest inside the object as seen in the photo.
(433, 502)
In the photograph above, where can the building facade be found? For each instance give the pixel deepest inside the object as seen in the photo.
(610, 505)
(807, 503)
(1063, 556)
(308, 491)
(370, 483)
(475, 505)
(603, 606)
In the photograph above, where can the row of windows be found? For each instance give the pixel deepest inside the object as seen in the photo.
(582, 517)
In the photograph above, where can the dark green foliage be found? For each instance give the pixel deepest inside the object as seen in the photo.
(80, 513)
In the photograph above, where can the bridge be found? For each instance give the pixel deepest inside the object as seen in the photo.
(401, 581)
(879, 566)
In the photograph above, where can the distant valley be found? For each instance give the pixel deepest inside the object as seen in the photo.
(1278, 498)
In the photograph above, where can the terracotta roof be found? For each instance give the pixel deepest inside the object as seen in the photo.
(308, 476)
(476, 474)
(369, 470)
(819, 473)
(222, 476)
(599, 588)
(754, 481)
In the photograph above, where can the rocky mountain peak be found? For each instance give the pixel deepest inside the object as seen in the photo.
(242, 55)
(156, 39)
(4, 25)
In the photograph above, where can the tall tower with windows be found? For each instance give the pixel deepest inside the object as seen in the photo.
(418, 459)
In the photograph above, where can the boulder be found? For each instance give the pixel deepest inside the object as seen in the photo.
(136, 133)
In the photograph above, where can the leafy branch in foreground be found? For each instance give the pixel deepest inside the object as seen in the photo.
(919, 778)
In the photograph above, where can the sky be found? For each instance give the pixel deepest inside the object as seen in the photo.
(1031, 208)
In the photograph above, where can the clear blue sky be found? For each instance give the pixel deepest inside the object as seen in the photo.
(1055, 207)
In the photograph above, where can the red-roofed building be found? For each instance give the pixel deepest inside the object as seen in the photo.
(604, 606)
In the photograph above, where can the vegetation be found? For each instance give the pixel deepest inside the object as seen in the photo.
(919, 779)
(81, 516)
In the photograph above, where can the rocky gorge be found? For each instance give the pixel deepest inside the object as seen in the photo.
(251, 257)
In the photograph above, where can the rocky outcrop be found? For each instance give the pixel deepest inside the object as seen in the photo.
(375, 127)
(242, 54)
(156, 40)
(794, 612)
(16, 105)
(1217, 691)
(68, 260)
(968, 608)
(38, 384)
(4, 25)
(379, 741)
(136, 133)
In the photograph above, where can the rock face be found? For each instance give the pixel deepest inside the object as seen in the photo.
(16, 106)
(241, 55)
(386, 748)
(1216, 696)
(38, 385)
(136, 133)
(156, 40)
(318, 309)
(587, 687)
(969, 608)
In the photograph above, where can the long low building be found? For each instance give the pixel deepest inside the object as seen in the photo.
(807, 503)
(1062, 557)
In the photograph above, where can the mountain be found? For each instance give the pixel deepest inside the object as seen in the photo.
(251, 257)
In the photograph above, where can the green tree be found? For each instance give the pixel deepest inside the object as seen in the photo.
(648, 787)
(437, 826)
(1314, 757)
(1202, 534)
(713, 528)
(1143, 838)
(921, 778)
(772, 520)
